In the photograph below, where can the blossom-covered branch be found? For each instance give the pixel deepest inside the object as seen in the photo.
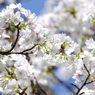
(14, 44)
(31, 46)
(85, 82)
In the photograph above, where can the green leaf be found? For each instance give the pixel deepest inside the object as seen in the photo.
(7, 69)
(81, 49)
(78, 55)
(47, 52)
(93, 20)
(22, 26)
(64, 45)
(12, 70)
(6, 76)
(25, 89)
(17, 91)
(71, 10)
(93, 53)
(32, 84)
(14, 76)
(36, 90)
(12, 27)
(46, 71)
(43, 44)
(49, 67)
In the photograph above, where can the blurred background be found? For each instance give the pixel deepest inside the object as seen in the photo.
(37, 6)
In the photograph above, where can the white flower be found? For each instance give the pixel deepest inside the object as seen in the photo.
(12, 84)
(24, 82)
(90, 43)
(16, 18)
(87, 91)
(20, 72)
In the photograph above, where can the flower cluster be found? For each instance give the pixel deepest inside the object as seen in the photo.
(31, 47)
(74, 17)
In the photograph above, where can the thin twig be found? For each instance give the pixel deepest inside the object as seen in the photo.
(90, 82)
(40, 87)
(64, 84)
(85, 82)
(21, 92)
(24, 52)
(75, 86)
(30, 48)
(7, 52)
(16, 38)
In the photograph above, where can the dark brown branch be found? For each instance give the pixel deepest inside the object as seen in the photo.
(85, 82)
(75, 86)
(30, 48)
(16, 38)
(8, 52)
(90, 82)
(21, 92)
(64, 84)
(24, 52)
(40, 87)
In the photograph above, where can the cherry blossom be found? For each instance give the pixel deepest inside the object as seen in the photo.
(32, 47)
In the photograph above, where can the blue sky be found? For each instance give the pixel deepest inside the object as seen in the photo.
(34, 5)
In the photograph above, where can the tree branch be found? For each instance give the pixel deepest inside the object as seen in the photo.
(8, 52)
(75, 86)
(90, 82)
(40, 87)
(85, 82)
(24, 52)
(64, 84)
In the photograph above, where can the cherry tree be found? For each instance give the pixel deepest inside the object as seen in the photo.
(32, 47)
